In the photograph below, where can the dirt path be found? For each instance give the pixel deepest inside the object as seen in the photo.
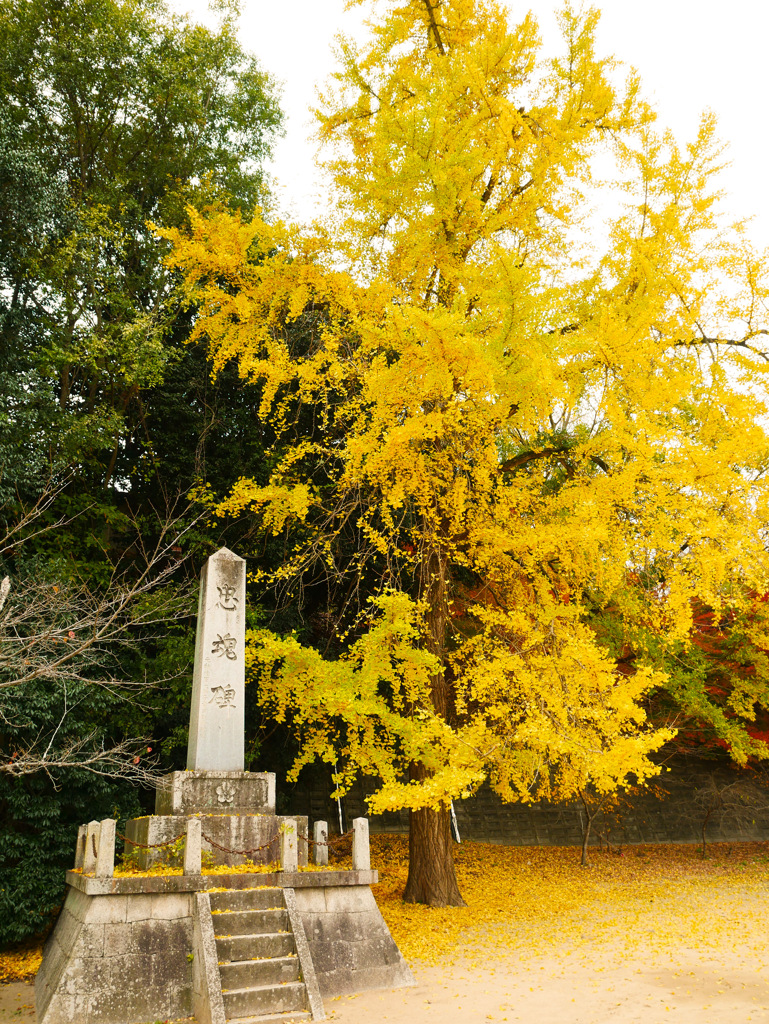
(590, 987)
(17, 1003)
(688, 989)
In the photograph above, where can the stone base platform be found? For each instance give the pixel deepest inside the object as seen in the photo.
(131, 949)
(233, 831)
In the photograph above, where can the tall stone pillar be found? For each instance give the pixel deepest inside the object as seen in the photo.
(236, 808)
(218, 683)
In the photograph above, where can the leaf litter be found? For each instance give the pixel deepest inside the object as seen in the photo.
(538, 901)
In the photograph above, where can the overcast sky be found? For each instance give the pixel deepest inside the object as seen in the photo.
(692, 55)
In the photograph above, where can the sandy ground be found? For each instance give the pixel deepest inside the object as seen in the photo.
(17, 1002)
(688, 988)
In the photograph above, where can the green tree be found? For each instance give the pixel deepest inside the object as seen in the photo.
(133, 112)
(30, 202)
(114, 113)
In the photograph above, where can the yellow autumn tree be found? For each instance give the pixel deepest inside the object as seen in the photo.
(506, 425)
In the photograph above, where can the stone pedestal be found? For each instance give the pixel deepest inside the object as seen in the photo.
(143, 949)
(233, 831)
(212, 792)
(236, 810)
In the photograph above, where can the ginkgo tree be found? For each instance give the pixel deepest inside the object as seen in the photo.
(504, 430)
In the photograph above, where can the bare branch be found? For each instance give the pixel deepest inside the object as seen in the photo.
(48, 628)
(61, 639)
(125, 760)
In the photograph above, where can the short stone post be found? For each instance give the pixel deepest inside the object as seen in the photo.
(361, 857)
(192, 847)
(105, 857)
(80, 847)
(320, 847)
(91, 847)
(288, 852)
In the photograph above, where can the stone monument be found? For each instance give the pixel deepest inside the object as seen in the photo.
(218, 681)
(236, 807)
(262, 945)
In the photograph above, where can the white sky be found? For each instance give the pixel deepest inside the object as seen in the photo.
(691, 54)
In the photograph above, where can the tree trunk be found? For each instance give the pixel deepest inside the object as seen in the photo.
(585, 829)
(432, 879)
(585, 841)
(705, 821)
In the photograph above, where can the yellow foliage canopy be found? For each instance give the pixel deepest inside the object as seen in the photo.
(507, 424)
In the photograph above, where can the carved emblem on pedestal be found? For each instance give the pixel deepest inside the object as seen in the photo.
(225, 793)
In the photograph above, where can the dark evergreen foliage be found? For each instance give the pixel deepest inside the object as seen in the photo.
(113, 114)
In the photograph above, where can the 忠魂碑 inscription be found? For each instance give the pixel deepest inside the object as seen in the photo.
(216, 720)
(224, 697)
(225, 645)
(228, 599)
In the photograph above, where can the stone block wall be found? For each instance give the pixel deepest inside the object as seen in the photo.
(117, 958)
(484, 817)
(131, 949)
(351, 946)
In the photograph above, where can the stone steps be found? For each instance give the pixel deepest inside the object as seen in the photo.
(250, 922)
(269, 898)
(272, 971)
(258, 964)
(264, 999)
(254, 947)
(275, 1018)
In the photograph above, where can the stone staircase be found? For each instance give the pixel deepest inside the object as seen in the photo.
(258, 962)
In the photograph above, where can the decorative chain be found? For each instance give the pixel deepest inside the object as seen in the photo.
(240, 853)
(151, 846)
(329, 842)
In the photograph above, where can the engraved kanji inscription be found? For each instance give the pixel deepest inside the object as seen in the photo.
(223, 696)
(225, 645)
(227, 598)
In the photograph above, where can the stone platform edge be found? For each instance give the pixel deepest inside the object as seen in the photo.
(130, 884)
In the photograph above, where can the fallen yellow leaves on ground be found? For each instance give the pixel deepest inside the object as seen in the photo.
(156, 871)
(22, 963)
(533, 901)
(218, 869)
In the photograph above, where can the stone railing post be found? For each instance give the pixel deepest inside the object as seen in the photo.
(288, 852)
(91, 847)
(105, 855)
(320, 839)
(361, 856)
(192, 847)
(80, 848)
